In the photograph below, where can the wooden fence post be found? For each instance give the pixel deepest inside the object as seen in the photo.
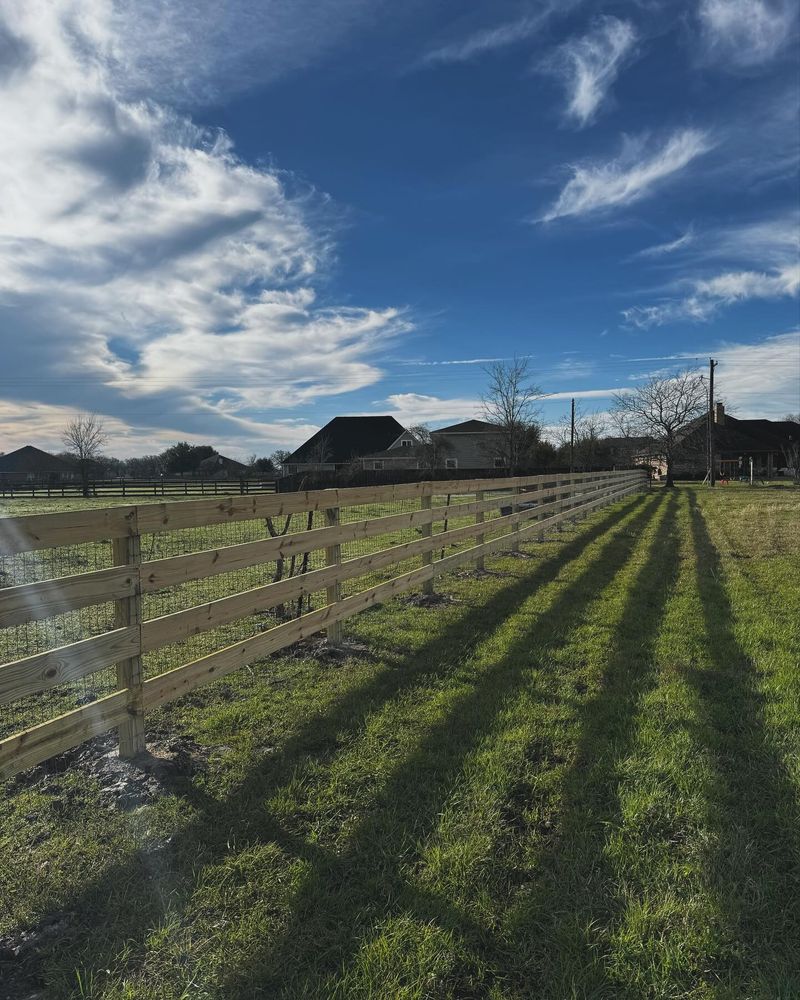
(515, 526)
(542, 493)
(333, 556)
(480, 562)
(127, 551)
(426, 503)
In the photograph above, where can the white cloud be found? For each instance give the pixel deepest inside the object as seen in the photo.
(491, 39)
(125, 439)
(629, 177)
(746, 32)
(185, 49)
(769, 250)
(710, 295)
(143, 266)
(589, 65)
(582, 394)
(415, 408)
(672, 246)
(762, 379)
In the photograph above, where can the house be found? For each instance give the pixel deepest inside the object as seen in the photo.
(220, 467)
(345, 440)
(472, 444)
(769, 443)
(32, 465)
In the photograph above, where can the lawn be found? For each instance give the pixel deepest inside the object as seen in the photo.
(577, 778)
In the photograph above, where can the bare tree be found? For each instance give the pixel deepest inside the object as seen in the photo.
(588, 441)
(662, 409)
(320, 452)
(83, 438)
(429, 449)
(510, 402)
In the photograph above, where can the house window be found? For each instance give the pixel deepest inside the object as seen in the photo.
(405, 444)
(377, 466)
(499, 463)
(451, 463)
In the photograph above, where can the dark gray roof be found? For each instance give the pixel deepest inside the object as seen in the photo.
(744, 436)
(344, 438)
(468, 427)
(31, 460)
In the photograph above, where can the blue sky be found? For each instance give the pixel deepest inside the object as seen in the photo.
(230, 227)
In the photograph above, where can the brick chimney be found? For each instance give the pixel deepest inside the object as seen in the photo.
(719, 415)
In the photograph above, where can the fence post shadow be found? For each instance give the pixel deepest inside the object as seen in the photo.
(754, 860)
(191, 848)
(542, 930)
(343, 886)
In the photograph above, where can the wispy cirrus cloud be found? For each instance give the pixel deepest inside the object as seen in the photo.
(760, 379)
(763, 265)
(589, 65)
(192, 51)
(142, 263)
(670, 247)
(710, 295)
(492, 38)
(744, 33)
(631, 176)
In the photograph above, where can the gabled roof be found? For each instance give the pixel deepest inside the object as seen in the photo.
(344, 438)
(31, 460)
(221, 462)
(469, 427)
(735, 435)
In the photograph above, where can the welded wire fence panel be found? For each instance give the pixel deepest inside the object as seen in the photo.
(221, 613)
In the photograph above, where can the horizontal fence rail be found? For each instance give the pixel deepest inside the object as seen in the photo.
(113, 612)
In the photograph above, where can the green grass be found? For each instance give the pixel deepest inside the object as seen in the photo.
(579, 779)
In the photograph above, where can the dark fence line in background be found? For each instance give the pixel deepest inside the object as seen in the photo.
(389, 477)
(139, 488)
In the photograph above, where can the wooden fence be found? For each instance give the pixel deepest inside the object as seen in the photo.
(490, 516)
(137, 488)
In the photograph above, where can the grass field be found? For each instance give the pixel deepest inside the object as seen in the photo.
(578, 779)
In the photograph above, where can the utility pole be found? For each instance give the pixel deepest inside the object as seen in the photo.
(712, 364)
(572, 437)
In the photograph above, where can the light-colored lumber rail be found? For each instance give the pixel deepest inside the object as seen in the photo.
(67, 663)
(180, 625)
(179, 514)
(528, 506)
(181, 680)
(70, 527)
(31, 747)
(30, 602)
(173, 570)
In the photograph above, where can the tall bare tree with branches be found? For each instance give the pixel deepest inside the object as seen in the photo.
(83, 439)
(662, 409)
(510, 403)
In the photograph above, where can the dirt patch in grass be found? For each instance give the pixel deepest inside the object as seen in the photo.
(124, 783)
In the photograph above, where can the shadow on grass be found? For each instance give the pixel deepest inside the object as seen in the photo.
(557, 934)
(343, 894)
(754, 866)
(346, 895)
